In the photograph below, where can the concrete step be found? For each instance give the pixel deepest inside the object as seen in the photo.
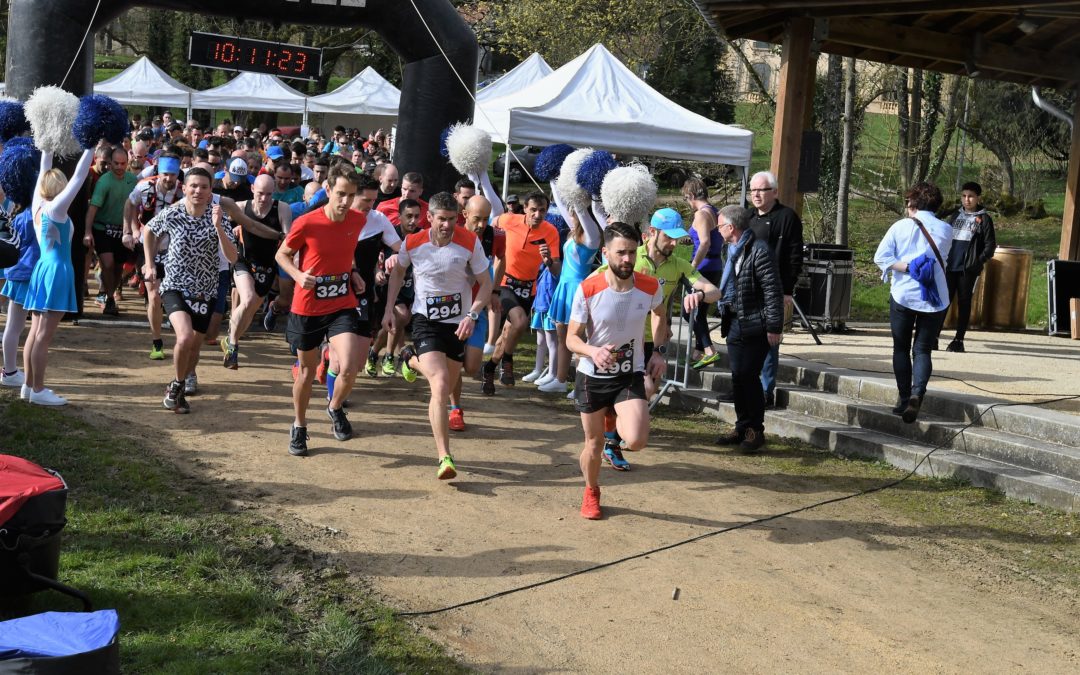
(840, 437)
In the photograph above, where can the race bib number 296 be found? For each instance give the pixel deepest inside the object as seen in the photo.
(623, 363)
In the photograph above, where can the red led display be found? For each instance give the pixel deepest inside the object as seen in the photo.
(258, 56)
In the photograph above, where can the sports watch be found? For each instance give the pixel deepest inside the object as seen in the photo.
(473, 315)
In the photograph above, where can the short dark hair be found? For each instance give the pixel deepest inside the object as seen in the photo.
(618, 229)
(464, 183)
(366, 182)
(198, 171)
(408, 204)
(442, 201)
(923, 196)
(414, 177)
(323, 160)
(695, 188)
(283, 165)
(343, 170)
(538, 197)
(973, 186)
(201, 154)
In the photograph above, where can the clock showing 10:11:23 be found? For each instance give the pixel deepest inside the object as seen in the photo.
(260, 56)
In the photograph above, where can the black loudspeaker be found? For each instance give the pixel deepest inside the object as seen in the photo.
(810, 162)
(1063, 283)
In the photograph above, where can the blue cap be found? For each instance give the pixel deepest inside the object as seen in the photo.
(670, 223)
(275, 152)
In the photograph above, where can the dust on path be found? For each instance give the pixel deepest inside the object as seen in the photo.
(848, 587)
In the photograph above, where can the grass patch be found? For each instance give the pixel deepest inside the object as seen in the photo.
(1032, 541)
(199, 586)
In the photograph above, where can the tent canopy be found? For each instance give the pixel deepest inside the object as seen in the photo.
(530, 70)
(252, 91)
(367, 93)
(143, 83)
(596, 101)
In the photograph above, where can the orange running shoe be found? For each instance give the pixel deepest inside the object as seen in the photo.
(590, 503)
(324, 365)
(457, 420)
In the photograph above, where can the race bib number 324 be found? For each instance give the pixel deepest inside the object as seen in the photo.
(331, 287)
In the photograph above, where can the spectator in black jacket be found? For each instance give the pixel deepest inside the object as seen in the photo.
(781, 228)
(973, 246)
(753, 322)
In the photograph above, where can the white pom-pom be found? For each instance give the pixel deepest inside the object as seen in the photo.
(572, 194)
(469, 148)
(51, 112)
(629, 193)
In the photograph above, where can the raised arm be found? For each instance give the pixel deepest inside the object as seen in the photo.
(46, 164)
(483, 181)
(58, 207)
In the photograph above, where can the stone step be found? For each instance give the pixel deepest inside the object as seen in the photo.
(839, 437)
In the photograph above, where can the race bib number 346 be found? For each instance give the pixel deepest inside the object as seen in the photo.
(624, 361)
(331, 287)
(442, 307)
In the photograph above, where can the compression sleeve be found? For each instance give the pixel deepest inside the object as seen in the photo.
(483, 181)
(58, 207)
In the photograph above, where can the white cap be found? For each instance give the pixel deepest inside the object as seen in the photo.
(238, 168)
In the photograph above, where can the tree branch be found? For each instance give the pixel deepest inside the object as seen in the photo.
(754, 76)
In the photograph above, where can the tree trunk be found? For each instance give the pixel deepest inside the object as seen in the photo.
(931, 102)
(903, 132)
(915, 126)
(831, 99)
(1000, 152)
(842, 192)
(951, 110)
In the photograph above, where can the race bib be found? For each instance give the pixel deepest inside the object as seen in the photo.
(443, 307)
(522, 289)
(198, 305)
(624, 361)
(261, 274)
(331, 286)
(114, 231)
(362, 310)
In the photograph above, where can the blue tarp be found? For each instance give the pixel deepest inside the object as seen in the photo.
(57, 634)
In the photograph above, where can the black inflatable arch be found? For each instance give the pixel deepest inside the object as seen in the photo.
(43, 34)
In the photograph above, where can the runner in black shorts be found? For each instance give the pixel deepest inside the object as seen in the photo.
(325, 302)
(444, 309)
(394, 340)
(612, 307)
(196, 234)
(254, 272)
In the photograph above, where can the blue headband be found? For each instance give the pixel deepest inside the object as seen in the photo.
(168, 165)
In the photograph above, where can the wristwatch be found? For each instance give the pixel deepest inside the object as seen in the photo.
(473, 315)
(661, 349)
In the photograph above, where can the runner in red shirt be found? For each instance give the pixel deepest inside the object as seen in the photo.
(412, 184)
(325, 301)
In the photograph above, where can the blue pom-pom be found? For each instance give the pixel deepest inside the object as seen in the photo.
(590, 175)
(443, 150)
(12, 120)
(550, 160)
(19, 165)
(558, 221)
(100, 117)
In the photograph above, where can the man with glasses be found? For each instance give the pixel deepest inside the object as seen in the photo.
(781, 228)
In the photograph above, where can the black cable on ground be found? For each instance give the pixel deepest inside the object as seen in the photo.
(740, 526)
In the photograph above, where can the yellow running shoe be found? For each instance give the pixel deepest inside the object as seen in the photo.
(156, 354)
(447, 470)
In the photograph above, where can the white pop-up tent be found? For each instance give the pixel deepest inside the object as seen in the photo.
(366, 100)
(530, 70)
(596, 101)
(144, 83)
(252, 91)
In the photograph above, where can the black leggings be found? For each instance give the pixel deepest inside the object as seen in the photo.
(962, 287)
(701, 319)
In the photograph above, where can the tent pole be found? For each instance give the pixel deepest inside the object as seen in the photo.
(188, 107)
(506, 171)
(745, 173)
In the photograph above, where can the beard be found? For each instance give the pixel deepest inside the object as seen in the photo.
(623, 272)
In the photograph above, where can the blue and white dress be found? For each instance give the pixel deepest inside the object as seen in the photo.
(17, 284)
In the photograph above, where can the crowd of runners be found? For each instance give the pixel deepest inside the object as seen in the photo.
(333, 245)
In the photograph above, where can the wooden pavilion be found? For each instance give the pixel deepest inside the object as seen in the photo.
(1033, 43)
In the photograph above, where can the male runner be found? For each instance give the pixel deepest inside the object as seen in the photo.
(412, 184)
(530, 241)
(256, 269)
(611, 308)
(105, 226)
(196, 234)
(325, 300)
(444, 309)
(151, 196)
(395, 338)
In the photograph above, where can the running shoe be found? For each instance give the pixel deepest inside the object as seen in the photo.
(371, 367)
(406, 355)
(173, 391)
(110, 308)
(488, 386)
(25, 391)
(342, 428)
(270, 320)
(100, 300)
(457, 420)
(447, 470)
(534, 375)
(553, 387)
(298, 441)
(507, 375)
(47, 397)
(182, 406)
(231, 359)
(613, 456)
(956, 346)
(324, 365)
(752, 441)
(15, 379)
(388, 365)
(157, 353)
(706, 361)
(590, 503)
(191, 385)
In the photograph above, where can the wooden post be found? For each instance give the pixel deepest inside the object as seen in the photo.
(1070, 222)
(794, 94)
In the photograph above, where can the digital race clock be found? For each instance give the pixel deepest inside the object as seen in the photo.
(257, 56)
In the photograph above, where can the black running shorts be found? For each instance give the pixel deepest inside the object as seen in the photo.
(262, 275)
(509, 300)
(436, 336)
(106, 243)
(593, 394)
(304, 333)
(198, 308)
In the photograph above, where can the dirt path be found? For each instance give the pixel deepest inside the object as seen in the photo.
(843, 588)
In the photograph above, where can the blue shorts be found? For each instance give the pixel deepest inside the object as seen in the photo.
(224, 286)
(480, 330)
